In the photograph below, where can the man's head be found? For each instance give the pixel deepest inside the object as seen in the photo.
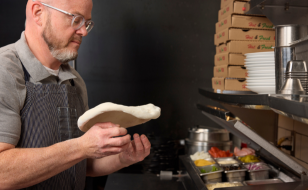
(54, 28)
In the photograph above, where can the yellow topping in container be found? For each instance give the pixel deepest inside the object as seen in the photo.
(202, 162)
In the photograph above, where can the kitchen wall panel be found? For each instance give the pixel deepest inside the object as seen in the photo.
(159, 52)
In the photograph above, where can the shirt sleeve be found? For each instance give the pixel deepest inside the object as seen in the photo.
(11, 102)
(12, 96)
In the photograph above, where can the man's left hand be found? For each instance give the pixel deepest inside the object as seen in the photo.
(137, 150)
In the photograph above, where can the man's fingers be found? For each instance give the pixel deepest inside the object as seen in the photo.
(146, 144)
(138, 144)
(119, 141)
(117, 131)
(106, 125)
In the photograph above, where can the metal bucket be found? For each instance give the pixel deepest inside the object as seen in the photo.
(208, 134)
(286, 34)
(191, 147)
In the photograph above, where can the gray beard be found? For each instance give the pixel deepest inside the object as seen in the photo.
(61, 54)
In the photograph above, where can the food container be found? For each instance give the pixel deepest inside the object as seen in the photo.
(208, 159)
(208, 134)
(191, 147)
(236, 175)
(237, 158)
(227, 161)
(259, 174)
(262, 182)
(212, 186)
(211, 177)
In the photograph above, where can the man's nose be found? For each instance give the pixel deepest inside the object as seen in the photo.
(82, 31)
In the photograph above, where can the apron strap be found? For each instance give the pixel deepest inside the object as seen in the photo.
(26, 74)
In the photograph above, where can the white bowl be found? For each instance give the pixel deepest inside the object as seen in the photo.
(261, 78)
(270, 63)
(260, 68)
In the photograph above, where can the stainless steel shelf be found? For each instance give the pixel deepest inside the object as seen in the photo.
(281, 11)
(293, 107)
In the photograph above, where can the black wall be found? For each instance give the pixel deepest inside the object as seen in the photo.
(140, 52)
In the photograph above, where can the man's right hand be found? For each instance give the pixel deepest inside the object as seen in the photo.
(99, 141)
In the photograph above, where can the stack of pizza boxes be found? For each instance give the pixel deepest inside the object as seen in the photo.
(237, 34)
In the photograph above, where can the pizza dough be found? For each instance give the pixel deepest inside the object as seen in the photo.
(125, 116)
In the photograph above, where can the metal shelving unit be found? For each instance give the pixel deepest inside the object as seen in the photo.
(293, 107)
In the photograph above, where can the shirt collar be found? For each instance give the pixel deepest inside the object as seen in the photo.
(35, 68)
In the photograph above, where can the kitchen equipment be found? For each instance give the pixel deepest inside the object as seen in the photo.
(286, 34)
(211, 177)
(236, 175)
(227, 161)
(292, 86)
(192, 147)
(208, 134)
(297, 69)
(262, 182)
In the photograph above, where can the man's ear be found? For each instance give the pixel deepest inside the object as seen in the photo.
(37, 13)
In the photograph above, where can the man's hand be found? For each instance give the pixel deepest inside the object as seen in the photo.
(102, 140)
(137, 150)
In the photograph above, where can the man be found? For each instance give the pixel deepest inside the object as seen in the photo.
(41, 98)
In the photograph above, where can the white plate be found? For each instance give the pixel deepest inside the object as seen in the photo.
(269, 81)
(261, 71)
(259, 59)
(266, 53)
(260, 63)
(261, 75)
(260, 84)
(260, 67)
(261, 78)
(262, 89)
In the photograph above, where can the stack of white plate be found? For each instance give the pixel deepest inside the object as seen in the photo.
(261, 72)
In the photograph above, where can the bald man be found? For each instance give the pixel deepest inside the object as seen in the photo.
(41, 98)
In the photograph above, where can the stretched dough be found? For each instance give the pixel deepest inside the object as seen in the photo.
(125, 116)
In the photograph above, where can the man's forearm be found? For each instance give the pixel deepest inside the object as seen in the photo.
(20, 168)
(104, 166)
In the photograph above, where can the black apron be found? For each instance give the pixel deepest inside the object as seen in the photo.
(50, 116)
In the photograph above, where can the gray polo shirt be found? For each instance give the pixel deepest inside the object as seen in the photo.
(13, 89)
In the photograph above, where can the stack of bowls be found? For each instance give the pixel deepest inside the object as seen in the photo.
(297, 69)
(261, 72)
(204, 138)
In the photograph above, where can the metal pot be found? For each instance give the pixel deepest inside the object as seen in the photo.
(208, 134)
(285, 34)
(191, 147)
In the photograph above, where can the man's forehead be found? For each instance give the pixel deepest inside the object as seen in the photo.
(81, 7)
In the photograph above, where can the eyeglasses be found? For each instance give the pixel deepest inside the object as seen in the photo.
(77, 22)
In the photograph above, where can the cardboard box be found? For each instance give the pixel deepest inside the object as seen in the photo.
(229, 59)
(224, 3)
(221, 83)
(239, 7)
(245, 47)
(244, 21)
(223, 48)
(230, 71)
(243, 34)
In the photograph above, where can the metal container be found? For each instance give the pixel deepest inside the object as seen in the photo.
(236, 175)
(296, 66)
(259, 174)
(209, 186)
(211, 177)
(282, 56)
(262, 182)
(191, 147)
(292, 86)
(285, 34)
(208, 134)
(227, 159)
